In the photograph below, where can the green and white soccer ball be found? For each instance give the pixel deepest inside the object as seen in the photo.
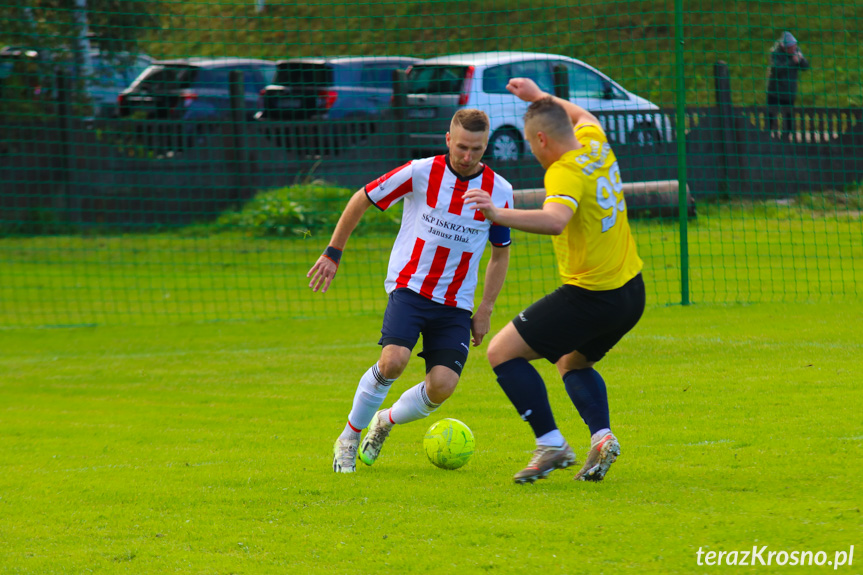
(449, 443)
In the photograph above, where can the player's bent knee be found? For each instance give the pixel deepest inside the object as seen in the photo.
(391, 370)
(498, 351)
(441, 383)
(394, 359)
(572, 362)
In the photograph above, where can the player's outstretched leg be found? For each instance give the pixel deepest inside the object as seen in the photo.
(603, 452)
(345, 455)
(525, 389)
(545, 460)
(371, 392)
(414, 404)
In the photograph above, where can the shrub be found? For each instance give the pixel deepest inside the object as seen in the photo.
(301, 210)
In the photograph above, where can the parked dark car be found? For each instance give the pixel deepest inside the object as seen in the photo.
(350, 87)
(194, 89)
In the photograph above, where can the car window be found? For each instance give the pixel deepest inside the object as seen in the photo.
(252, 79)
(267, 72)
(139, 66)
(212, 78)
(107, 73)
(220, 78)
(167, 78)
(436, 79)
(616, 93)
(584, 83)
(303, 74)
(495, 79)
(378, 76)
(116, 70)
(537, 70)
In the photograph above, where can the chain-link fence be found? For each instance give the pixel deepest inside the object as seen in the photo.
(171, 161)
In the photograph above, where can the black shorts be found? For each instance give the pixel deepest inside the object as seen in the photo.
(445, 329)
(576, 319)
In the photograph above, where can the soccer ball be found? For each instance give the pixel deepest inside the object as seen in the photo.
(449, 443)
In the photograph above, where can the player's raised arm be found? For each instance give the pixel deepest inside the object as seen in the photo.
(550, 220)
(324, 270)
(527, 90)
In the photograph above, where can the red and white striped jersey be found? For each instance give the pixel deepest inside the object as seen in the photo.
(440, 243)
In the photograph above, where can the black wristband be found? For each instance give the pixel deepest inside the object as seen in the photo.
(334, 254)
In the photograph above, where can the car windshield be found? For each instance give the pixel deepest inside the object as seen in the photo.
(268, 72)
(303, 74)
(378, 76)
(166, 78)
(213, 78)
(432, 79)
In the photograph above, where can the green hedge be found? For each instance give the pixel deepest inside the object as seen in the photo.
(303, 210)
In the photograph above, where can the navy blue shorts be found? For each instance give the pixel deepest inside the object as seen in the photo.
(576, 319)
(445, 329)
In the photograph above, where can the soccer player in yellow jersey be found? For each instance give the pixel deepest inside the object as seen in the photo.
(602, 296)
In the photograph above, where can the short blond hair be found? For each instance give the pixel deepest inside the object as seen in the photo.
(471, 120)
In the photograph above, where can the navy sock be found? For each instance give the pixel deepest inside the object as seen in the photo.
(524, 387)
(586, 388)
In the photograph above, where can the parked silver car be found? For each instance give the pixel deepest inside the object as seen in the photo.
(437, 87)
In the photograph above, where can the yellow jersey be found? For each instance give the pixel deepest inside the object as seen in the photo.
(596, 250)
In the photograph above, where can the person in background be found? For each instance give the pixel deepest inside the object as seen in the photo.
(786, 62)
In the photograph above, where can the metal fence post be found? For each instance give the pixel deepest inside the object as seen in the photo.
(61, 195)
(725, 109)
(681, 152)
(561, 82)
(238, 137)
(400, 102)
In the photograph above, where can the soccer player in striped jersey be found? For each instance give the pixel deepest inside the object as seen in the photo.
(431, 279)
(603, 293)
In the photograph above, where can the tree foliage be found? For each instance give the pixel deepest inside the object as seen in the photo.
(114, 25)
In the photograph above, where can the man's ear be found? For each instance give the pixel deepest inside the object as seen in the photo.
(542, 139)
(447, 139)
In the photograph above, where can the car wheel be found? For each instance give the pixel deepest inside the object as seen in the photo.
(644, 134)
(505, 145)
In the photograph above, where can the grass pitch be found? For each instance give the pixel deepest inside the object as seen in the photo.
(779, 251)
(206, 448)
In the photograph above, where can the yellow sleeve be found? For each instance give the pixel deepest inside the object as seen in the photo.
(587, 132)
(562, 187)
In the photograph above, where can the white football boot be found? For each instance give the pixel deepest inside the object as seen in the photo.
(345, 455)
(378, 432)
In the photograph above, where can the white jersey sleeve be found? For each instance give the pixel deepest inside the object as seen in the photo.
(391, 187)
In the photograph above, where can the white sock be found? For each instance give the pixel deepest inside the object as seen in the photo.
(594, 439)
(350, 433)
(371, 392)
(414, 404)
(553, 438)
